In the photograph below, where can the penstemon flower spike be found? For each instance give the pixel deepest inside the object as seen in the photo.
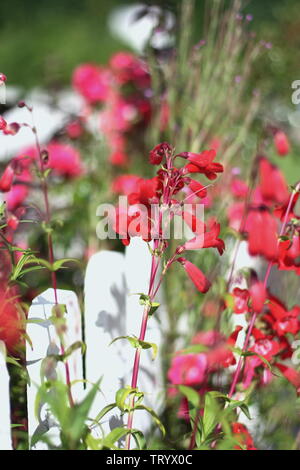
(168, 184)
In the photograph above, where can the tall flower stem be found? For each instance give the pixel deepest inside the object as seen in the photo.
(265, 282)
(45, 192)
(154, 268)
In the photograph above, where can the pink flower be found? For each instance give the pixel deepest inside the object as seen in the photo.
(126, 184)
(92, 82)
(6, 179)
(64, 159)
(3, 123)
(128, 68)
(74, 129)
(188, 369)
(19, 192)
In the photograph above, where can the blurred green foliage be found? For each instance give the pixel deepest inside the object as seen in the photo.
(41, 41)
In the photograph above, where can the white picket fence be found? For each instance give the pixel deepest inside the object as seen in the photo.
(110, 311)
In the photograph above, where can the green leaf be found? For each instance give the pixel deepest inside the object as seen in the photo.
(12, 360)
(191, 395)
(104, 411)
(154, 307)
(115, 435)
(139, 439)
(155, 418)
(194, 348)
(59, 263)
(79, 413)
(74, 347)
(123, 394)
(211, 414)
(138, 344)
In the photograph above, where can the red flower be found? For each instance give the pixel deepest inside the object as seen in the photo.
(291, 375)
(196, 275)
(241, 434)
(281, 320)
(289, 253)
(272, 183)
(7, 179)
(241, 297)
(3, 123)
(159, 152)
(281, 143)
(92, 82)
(197, 188)
(258, 295)
(262, 233)
(202, 163)
(207, 240)
(10, 320)
(146, 191)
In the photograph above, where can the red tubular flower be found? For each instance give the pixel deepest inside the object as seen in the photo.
(262, 234)
(209, 239)
(92, 82)
(3, 77)
(10, 320)
(281, 143)
(291, 375)
(196, 275)
(202, 163)
(7, 179)
(258, 295)
(197, 188)
(272, 183)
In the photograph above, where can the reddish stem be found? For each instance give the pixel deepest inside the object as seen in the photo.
(50, 248)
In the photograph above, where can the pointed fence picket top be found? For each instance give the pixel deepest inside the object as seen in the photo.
(111, 311)
(44, 342)
(5, 422)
